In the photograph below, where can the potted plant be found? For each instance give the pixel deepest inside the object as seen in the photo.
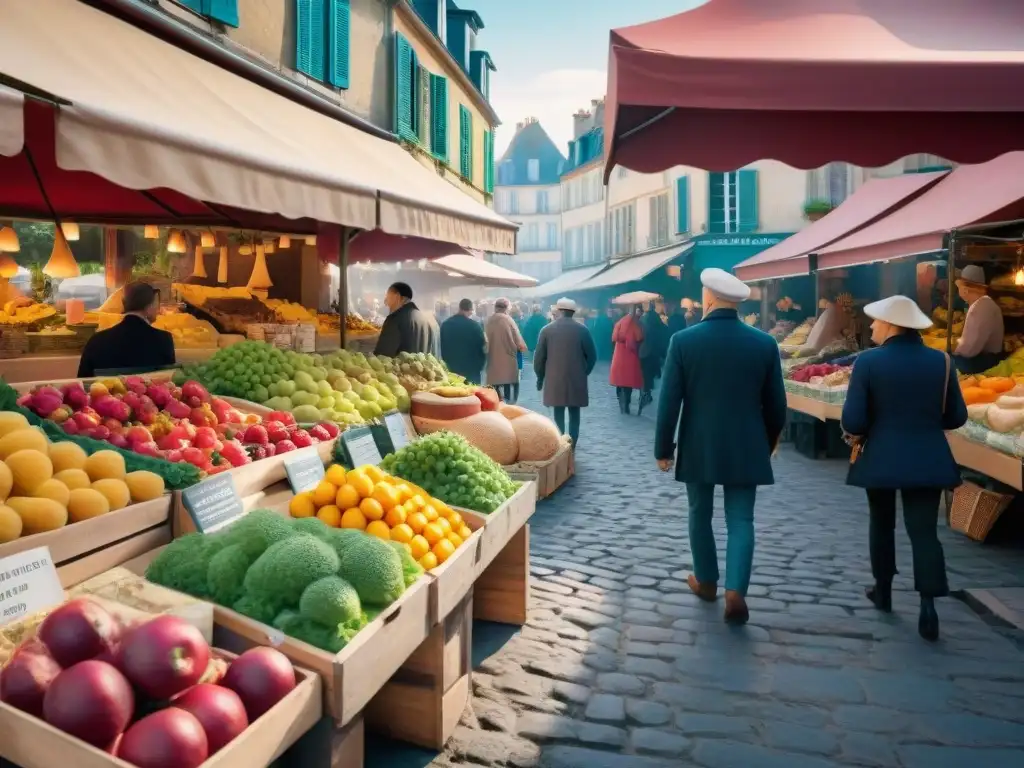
(817, 209)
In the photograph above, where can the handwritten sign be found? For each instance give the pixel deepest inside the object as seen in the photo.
(360, 446)
(213, 504)
(304, 469)
(28, 584)
(397, 430)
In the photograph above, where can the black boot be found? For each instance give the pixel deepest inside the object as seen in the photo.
(640, 405)
(928, 621)
(881, 595)
(622, 399)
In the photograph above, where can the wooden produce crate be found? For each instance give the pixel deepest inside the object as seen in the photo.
(451, 581)
(549, 475)
(423, 702)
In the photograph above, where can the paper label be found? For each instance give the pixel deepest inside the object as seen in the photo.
(28, 584)
(304, 469)
(361, 447)
(397, 430)
(213, 504)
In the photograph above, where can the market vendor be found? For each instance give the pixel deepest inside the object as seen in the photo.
(981, 343)
(133, 345)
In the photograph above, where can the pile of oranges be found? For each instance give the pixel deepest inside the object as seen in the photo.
(368, 499)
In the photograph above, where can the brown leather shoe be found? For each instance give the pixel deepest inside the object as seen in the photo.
(735, 608)
(707, 592)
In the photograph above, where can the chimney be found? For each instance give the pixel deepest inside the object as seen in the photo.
(581, 123)
(598, 120)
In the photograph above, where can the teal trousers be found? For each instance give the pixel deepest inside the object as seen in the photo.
(739, 524)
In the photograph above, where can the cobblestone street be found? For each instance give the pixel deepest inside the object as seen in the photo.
(621, 667)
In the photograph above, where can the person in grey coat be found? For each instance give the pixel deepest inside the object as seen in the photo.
(569, 348)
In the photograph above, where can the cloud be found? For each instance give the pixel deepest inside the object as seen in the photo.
(551, 97)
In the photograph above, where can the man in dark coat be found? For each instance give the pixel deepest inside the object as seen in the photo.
(532, 327)
(727, 378)
(676, 320)
(406, 328)
(652, 353)
(564, 358)
(133, 345)
(604, 324)
(463, 344)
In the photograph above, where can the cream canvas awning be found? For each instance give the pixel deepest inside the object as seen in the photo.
(145, 114)
(481, 272)
(567, 281)
(634, 268)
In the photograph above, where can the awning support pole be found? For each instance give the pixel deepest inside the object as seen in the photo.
(343, 283)
(950, 289)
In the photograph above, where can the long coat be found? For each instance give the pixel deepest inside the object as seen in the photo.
(131, 346)
(532, 328)
(626, 372)
(463, 347)
(564, 358)
(727, 378)
(503, 341)
(894, 402)
(407, 329)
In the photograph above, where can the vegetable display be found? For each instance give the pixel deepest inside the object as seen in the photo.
(447, 467)
(317, 583)
(367, 499)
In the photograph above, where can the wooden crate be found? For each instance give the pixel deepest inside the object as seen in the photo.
(548, 475)
(501, 524)
(423, 702)
(451, 581)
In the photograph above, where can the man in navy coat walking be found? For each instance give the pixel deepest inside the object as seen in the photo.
(726, 377)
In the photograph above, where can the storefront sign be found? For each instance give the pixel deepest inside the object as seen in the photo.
(360, 447)
(304, 469)
(745, 240)
(28, 584)
(213, 504)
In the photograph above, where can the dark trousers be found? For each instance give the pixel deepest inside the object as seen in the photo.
(625, 396)
(509, 393)
(574, 422)
(920, 516)
(651, 369)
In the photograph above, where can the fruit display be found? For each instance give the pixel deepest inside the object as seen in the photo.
(996, 402)
(45, 486)
(368, 499)
(317, 583)
(197, 295)
(447, 467)
(1012, 306)
(798, 336)
(824, 374)
(189, 332)
(357, 324)
(1011, 366)
(23, 312)
(143, 690)
(781, 329)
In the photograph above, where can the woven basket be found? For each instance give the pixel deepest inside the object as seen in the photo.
(12, 344)
(974, 510)
(52, 343)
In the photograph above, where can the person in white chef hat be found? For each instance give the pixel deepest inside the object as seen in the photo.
(725, 377)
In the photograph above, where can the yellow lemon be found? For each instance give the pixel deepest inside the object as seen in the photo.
(444, 525)
(372, 509)
(335, 475)
(419, 547)
(324, 493)
(353, 518)
(428, 561)
(430, 513)
(416, 521)
(395, 516)
(455, 539)
(432, 533)
(329, 515)
(443, 550)
(302, 505)
(361, 482)
(465, 532)
(373, 472)
(402, 533)
(379, 529)
(386, 495)
(456, 520)
(347, 496)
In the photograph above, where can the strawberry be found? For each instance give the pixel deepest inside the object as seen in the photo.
(256, 435)
(319, 432)
(285, 446)
(302, 439)
(332, 429)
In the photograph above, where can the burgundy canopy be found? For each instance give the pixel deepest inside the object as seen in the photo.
(808, 82)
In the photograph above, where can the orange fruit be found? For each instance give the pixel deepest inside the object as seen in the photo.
(443, 550)
(465, 532)
(379, 529)
(455, 539)
(416, 521)
(347, 497)
(444, 525)
(372, 509)
(456, 520)
(386, 495)
(395, 516)
(416, 502)
(428, 561)
(404, 492)
(373, 472)
(335, 474)
(361, 482)
(419, 546)
(402, 533)
(432, 533)
(431, 513)
(302, 505)
(353, 518)
(324, 493)
(330, 515)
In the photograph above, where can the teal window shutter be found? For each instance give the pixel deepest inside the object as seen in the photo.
(749, 209)
(488, 162)
(310, 25)
(439, 116)
(405, 125)
(716, 203)
(194, 5)
(338, 30)
(683, 204)
(224, 11)
(465, 143)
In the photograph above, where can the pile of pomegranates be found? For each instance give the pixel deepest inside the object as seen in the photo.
(151, 693)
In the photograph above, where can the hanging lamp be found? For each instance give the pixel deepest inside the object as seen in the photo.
(70, 230)
(207, 240)
(9, 242)
(311, 240)
(222, 267)
(260, 277)
(62, 262)
(199, 267)
(284, 242)
(175, 242)
(268, 246)
(8, 266)
(151, 232)
(245, 249)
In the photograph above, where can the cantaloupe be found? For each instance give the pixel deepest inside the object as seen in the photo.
(73, 478)
(115, 491)
(87, 503)
(67, 456)
(38, 515)
(6, 481)
(489, 431)
(10, 524)
(105, 465)
(512, 411)
(144, 486)
(23, 440)
(11, 421)
(30, 469)
(537, 436)
(53, 489)
(489, 399)
(431, 406)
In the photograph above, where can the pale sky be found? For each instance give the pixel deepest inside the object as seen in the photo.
(552, 55)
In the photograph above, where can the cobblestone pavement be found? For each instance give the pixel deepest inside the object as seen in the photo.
(621, 667)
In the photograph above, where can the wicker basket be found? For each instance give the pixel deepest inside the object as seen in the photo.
(974, 510)
(12, 344)
(54, 343)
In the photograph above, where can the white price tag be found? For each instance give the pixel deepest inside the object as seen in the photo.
(28, 584)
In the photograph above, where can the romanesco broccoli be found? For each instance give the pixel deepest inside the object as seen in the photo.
(226, 574)
(313, 526)
(340, 538)
(183, 564)
(374, 568)
(279, 575)
(258, 530)
(331, 601)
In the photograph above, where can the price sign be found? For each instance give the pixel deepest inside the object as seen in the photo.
(398, 430)
(360, 446)
(304, 469)
(213, 504)
(28, 584)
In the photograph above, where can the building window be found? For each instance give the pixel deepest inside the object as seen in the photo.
(733, 202)
(224, 11)
(552, 236)
(489, 162)
(621, 225)
(658, 226)
(542, 200)
(513, 201)
(506, 173)
(533, 170)
(438, 97)
(531, 238)
(465, 143)
(322, 31)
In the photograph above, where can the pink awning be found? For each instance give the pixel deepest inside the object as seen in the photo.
(874, 199)
(379, 247)
(813, 81)
(971, 194)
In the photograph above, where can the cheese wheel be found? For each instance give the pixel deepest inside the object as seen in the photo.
(431, 406)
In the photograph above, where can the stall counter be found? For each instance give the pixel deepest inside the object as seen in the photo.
(60, 367)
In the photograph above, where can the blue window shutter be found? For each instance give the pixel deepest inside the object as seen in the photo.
(224, 11)
(683, 204)
(439, 116)
(749, 213)
(338, 30)
(310, 25)
(716, 203)
(405, 127)
(488, 162)
(465, 143)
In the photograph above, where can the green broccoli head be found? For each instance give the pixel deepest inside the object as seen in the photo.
(374, 568)
(410, 568)
(226, 574)
(331, 601)
(258, 530)
(313, 526)
(330, 639)
(341, 538)
(182, 565)
(279, 575)
(258, 608)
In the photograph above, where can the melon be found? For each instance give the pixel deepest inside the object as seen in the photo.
(67, 456)
(489, 400)
(31, 439)
(53, 489)
(538, 437)
(73, 478)
(430, 406)
(10, 524)
(30, 469)
(104, 465)
(38, 515)
(12, 421)
(86, 503)
(513, 411)
(489, 431)
(115, 491)
(145, 486)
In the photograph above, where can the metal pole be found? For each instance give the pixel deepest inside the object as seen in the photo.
(343, 283)
(950, 290)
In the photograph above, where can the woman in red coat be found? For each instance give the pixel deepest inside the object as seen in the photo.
(627, 374)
